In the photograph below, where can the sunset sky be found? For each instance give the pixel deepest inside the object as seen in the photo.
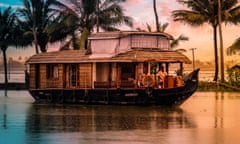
(142, 12)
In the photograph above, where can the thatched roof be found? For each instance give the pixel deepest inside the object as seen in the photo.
(64, 56)
(140, 55)
(152, 56)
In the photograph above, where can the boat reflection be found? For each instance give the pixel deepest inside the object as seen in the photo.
(62, 118)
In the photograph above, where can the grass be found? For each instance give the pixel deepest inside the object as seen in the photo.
(216, 86)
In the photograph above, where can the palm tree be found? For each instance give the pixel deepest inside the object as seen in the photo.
(156, 16)
(205, 11)
(175, 42)
(7, 28)
(221, 40)
(35, 18)
(91, 14)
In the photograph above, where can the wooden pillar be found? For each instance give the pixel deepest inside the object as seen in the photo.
(109, 74)
(93, 74)
(149, 68)
(118, 76)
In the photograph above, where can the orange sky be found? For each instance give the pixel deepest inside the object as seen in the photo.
(142, 13)
(199, 37)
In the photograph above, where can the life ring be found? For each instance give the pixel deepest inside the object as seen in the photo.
(148, 81)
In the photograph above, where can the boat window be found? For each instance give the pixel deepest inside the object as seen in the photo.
(163, 43)
(144, 41)
(52, 71)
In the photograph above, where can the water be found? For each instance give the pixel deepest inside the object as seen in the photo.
(13, 76)
(206, 118)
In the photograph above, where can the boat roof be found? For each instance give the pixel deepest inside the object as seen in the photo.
(120, 34)
(133, 55)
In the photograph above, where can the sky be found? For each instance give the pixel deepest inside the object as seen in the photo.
(141, 11)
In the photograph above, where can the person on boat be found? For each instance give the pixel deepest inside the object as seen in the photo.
(139, 80)
(179, 79)
(161, 77)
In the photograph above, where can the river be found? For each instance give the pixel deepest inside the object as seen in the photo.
(205, 118)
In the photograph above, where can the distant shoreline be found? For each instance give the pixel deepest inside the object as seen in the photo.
(14, 86)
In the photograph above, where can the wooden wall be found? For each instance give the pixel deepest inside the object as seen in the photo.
(40, 78)
(85, 72)
(54, 83)
(43, 75)
(32, 76)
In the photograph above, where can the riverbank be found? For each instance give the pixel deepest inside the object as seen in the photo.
(14, 86)
(216, 86)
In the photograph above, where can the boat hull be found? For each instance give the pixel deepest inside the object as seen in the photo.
(121, 96)
(126, 96)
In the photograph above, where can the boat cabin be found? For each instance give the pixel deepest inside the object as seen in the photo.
(119, 59)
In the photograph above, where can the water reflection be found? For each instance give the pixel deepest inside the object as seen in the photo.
(207, 117)
(47, 118)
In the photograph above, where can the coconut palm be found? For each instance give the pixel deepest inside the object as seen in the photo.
(206, 11)
(35, 18)
(221, 40)
(156, 15)
(94, 14)
(7, 36)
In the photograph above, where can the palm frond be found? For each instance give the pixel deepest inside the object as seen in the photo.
(234, 48)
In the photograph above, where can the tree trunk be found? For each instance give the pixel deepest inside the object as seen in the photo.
(97, 15)
(5, 68)
(156, 16)
(221, 41)
(35, 40)
(215, 53)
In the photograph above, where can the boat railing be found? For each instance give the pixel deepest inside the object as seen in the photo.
(126, 84)
(52, 84)
(105, 84)
(169, 82)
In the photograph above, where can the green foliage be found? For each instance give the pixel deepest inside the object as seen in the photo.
(35, 18)
(90, 15)
(83, 38)
(234, 48)
(234, 76)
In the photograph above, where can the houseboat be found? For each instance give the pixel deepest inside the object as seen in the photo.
(123, 67)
